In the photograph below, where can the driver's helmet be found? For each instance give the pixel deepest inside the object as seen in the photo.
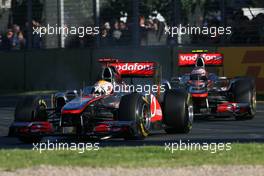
(102, 87)
(199, 73)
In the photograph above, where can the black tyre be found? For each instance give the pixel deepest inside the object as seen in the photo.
(177, 111)
(31, 108)
(244, 91)
(135, 109)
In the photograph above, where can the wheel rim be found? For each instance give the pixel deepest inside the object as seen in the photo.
(253, 103)
(190, 113)
(145, 117)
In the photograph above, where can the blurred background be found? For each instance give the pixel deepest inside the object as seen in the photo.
(129, 22)
(129, 29)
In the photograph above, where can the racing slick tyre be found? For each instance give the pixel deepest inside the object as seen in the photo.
(177, 111)
(31, 109)
(244, 91)
(136, 109)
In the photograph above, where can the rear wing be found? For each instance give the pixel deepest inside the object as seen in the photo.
(131, 69)
(210, 59)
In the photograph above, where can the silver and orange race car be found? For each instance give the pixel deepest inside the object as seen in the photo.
(214, 95)
(110, 108)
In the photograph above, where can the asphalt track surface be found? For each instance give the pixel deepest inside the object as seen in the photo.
(206, 130)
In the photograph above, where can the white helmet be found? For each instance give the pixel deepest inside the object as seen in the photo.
(199, 71)
(103, 87)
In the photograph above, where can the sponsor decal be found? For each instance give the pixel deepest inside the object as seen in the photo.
(134, 66)
(140, 68)
(155, 109)
(209, 59)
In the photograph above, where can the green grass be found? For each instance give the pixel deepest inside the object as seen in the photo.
(150, 156)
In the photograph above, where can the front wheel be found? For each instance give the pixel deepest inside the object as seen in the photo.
(133, 108)
(31, 109)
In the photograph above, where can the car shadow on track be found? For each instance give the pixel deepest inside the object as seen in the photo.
(213, 119)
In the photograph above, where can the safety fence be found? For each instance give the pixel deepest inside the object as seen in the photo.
(74, 68)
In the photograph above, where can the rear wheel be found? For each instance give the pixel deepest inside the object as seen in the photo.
(244, 91)
(177, 111)
(135, 109)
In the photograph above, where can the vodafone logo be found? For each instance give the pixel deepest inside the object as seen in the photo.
(188, 57)
(209, 59)
(193, 57)
(134, 66)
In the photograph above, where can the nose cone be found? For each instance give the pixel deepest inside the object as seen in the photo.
(77, 103)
